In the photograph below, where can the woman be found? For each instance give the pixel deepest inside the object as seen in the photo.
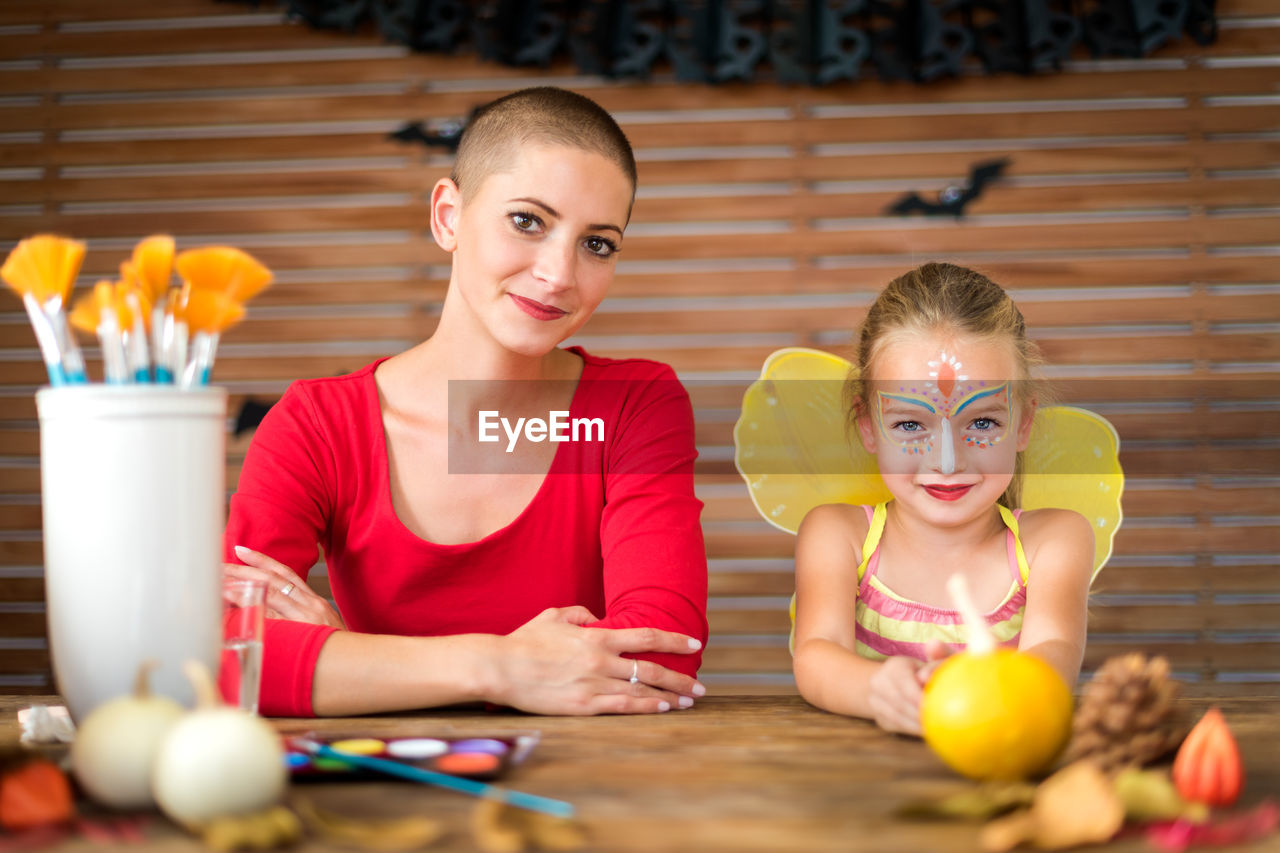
(471, 553)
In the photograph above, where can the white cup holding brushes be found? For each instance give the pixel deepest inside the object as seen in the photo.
(133, 495)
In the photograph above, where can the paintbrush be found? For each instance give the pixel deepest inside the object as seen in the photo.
(42, 270)
(99, 312)
(207, 314)
(532, 802)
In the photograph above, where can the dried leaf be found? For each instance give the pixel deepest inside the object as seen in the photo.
(379, 834)
(982, 803)
(264, 830)
(494, 828)
(1150, 795)
(556, 834)
(500, 828)
(1077, 805)
(1008, 832)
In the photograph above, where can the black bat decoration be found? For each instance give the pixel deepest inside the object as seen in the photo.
(447, 137)
(953, 199)
(250, 415)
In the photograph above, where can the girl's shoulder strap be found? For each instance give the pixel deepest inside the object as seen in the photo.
(876, 518)
(1011, 521)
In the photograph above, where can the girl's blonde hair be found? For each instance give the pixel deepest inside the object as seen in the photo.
(948, 301)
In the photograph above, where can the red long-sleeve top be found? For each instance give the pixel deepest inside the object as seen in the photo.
(614, 526)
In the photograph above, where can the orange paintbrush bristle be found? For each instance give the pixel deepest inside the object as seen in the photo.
(223, 269)
(152, 264)
(134, 299)
(44, 266)
(207, 310)
(86, 313)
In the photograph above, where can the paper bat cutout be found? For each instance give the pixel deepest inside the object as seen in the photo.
(447, 137)
(250, 416)
(952, 200)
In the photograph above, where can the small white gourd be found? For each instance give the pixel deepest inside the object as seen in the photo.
(217, 761)
(116, 745)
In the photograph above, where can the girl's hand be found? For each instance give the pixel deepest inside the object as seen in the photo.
(552, 665)
(301, 604)
(898, 687)
(894, 695)
(935, 652)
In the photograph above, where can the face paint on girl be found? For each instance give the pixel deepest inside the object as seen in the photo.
(935, 415)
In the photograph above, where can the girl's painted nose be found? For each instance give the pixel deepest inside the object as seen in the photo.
(946, 449)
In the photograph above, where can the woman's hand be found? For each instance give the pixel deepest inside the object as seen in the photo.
(288, 596)
(552, 665)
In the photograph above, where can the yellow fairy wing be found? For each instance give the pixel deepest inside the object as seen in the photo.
(790, 443)
(792, 448)
(1073, 462)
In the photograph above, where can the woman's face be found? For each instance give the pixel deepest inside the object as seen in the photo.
(535, 247)
(945, 424)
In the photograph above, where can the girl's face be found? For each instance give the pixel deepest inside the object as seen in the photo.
(535, 247)
(945, 424)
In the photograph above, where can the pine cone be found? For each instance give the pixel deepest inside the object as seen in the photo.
(1128, 714)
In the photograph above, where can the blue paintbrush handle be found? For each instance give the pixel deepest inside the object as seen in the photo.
(546, 805)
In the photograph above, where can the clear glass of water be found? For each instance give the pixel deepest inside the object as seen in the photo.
(240, 674)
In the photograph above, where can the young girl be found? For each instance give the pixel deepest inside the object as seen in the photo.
(942, 395)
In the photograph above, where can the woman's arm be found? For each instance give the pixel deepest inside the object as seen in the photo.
(829, 672)
(655, 562)
(550, 665)
(1060, 554)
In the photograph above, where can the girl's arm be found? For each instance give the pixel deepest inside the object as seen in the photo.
(829, 672)
(1060, 553)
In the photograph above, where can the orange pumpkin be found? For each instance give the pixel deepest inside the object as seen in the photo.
(993, 713)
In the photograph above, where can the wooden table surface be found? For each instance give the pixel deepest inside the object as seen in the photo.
(735, 773)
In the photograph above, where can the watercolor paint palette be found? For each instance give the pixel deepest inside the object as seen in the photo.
(470, 757)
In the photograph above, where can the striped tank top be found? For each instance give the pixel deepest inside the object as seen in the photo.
(888, 624)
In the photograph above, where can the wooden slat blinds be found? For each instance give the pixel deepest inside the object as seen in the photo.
(1137, 228)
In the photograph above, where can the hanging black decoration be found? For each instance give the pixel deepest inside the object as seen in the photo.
(639, 37)
(806, 42)
(428, 25)
(690, 40)
(1202, 25)
(613, 38)
(817, 42)
(329, 14)
(953, 199)
(445, 134)
(251, 413)
(1133, 28)
(1023, 36)
(918, 40)
(518, 32)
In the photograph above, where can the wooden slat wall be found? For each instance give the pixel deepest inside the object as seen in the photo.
(1138, 229)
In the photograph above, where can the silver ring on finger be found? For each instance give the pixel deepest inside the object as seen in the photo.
(635, 671)
(286, 589)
